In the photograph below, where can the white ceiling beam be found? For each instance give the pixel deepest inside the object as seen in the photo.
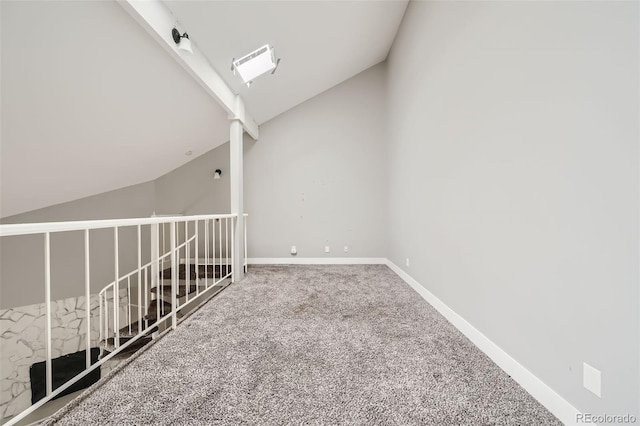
(158, 20)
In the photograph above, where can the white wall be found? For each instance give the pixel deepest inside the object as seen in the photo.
(514, 180)
(316, 177)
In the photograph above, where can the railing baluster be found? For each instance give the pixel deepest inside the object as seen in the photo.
(160, 274)
(212, 252)
(226, 236)
(234, 262)
(47, 292)
(146, 292)
(223, 244)
(187, 266)
(246, 262)
(197, 261)
(174, 276)
(129, 303)
(139, 283)
(116, 292)
(159, 289)
(87, 295)
(100, 324)
(220, 243)
(106, 314)
(206, 252)
(163, 248)
(214, 256)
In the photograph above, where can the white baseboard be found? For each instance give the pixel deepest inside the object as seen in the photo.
(316, 261)
(557, 405)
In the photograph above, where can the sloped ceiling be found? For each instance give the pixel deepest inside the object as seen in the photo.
(321, 43)
(91, 103)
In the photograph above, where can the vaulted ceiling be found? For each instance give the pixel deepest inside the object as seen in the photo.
(321, 43)
(91, 103)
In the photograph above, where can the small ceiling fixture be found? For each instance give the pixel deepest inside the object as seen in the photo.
(217, 173)
(255, 64)
(182, 41)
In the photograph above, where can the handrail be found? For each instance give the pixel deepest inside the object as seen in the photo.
(7, 230)
(218, 240)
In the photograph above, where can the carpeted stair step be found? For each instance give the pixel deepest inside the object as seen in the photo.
(182, 289)
(182, 273)
(109, 345)
(211, 271)
(152, 315)
(129, 332)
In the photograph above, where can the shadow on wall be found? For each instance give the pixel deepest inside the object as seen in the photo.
(191, 189)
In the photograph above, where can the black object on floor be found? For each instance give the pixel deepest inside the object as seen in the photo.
(63, 368)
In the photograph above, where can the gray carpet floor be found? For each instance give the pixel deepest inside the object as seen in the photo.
(316, 345)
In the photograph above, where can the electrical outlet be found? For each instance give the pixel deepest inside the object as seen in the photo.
(346, 249)
(327, 249)
(294, 250)
(592, 379)
(408, 261)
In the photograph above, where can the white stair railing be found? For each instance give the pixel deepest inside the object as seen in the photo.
(129, 298)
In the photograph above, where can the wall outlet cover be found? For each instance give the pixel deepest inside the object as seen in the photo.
(592, 379)
(346, 249)
(294, 250)
(327, 249)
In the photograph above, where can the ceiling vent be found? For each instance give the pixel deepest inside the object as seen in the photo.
(256, 63)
